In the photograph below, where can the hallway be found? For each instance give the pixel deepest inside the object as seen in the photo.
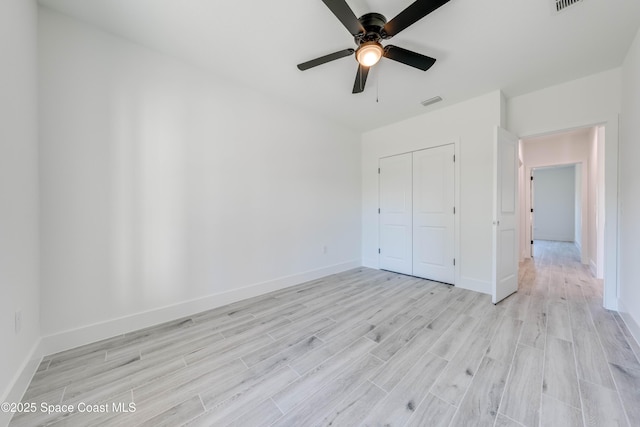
(587, 357)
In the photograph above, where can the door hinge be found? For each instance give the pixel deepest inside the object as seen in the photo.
(454, 210)
(454, 261)
(378, 250)
(531, 177)
(378, 170)
(378, 210)
(454, 158)
(532, 242)
(532, 210)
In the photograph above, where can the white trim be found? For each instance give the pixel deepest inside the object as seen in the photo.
(371, 263)
(634, 328)
(593, 267)
(554, 238)
(21, 380)
(91, 333)
(476, 285)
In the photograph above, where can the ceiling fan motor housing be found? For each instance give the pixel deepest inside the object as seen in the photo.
(373, 24)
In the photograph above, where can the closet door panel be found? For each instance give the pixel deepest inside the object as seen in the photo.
(433, 214)
(396, 209)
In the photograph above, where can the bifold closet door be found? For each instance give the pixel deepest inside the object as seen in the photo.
(433, 214)
(396, 213)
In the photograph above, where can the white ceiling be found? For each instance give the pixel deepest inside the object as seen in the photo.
(514, 45)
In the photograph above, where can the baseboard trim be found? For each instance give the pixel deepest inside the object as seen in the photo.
(634, 328)
(21, 380)
(371, 263)
(475, 285)
(593, 267)
(66, 340)
(568, 239)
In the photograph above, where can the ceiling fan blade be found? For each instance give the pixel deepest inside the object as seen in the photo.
(408, 57)
(343, 12)
(415, 12)
(361, 79)
(325, 59)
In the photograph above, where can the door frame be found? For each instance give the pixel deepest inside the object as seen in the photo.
(611, 202)
(456, 220)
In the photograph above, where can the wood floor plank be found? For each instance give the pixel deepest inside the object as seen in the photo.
(449, 343)
(389, 375)
(517, 307)
(312, 410)
(628, 381)
(306, 332)
(503, 421)
(580, 316)
(480, 404)
(112, 383)
(390, 346)
(355, 407)
(457, 376)
(262, 415)
(432, 412)
(558, 322)
(635, 346)
(176, 415)
(401, 403)
(521, 401)
(555, 413)
(560, 379)
(310, 360)
(534, 328)
(590, 359)
(615, 345)
(219, 411)
(308, 384)
(504, 342)
(189, 380)
(602, 406)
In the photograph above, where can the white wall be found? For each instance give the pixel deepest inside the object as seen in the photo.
(600, 196)
(166, 190)
(18, 192)
(630, 189)
(470, 125)
(577, 203)
(592, 213)
(554, 203)
(583, 102)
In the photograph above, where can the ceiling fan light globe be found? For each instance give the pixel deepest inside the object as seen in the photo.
(369, 54)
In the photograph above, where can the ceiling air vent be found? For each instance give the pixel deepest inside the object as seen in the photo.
(560, 5)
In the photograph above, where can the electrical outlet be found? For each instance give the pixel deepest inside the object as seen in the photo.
(18, 321)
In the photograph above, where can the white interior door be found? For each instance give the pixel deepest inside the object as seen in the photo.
(433, 214)
(396, 213)
(505, 215)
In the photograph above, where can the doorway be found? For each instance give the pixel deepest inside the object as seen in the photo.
(556, 205)
(596, 216)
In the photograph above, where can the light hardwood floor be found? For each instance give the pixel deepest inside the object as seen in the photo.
(367, 347)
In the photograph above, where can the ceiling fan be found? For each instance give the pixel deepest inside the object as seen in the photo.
(369, 30)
